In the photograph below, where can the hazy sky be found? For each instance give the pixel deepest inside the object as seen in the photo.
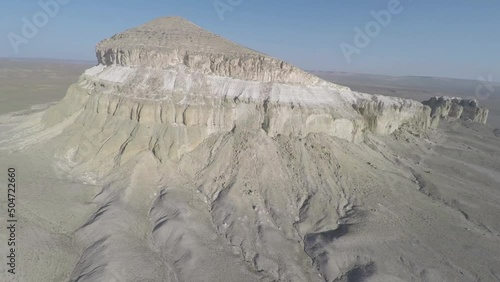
(449, 38)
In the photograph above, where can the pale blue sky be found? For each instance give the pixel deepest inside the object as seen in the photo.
(449, 38)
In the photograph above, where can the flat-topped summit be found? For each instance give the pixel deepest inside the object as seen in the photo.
(174, 33)
(174, 41)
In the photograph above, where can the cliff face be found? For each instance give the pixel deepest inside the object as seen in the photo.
(165, 87)
(455, 108)
(383, 115)
(173, 41)
(170, 112)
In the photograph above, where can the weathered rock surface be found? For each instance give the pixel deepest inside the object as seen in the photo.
(456, 108)
(246, 172)
(167, 85)
(172, 41)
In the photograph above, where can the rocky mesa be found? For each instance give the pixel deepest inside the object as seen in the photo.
(455, 108)
(210, 161)
(167, 85)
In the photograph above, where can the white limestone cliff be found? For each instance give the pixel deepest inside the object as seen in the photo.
(165, 87)
(456, 108)
(173, 41)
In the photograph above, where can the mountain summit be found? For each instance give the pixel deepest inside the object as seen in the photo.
(170, 41)
(173, 33)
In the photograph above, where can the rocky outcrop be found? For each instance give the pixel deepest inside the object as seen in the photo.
(383, 115)
(122, 118)
(172, 41)
(170, 112)
(167, 86)
(455, 108)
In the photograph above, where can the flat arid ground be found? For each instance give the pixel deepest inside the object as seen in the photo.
(30, 82)
(413, 206)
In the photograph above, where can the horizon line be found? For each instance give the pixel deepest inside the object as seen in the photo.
(82, 61)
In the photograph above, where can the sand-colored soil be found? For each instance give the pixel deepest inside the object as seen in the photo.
(26, 83)
(245, 206)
